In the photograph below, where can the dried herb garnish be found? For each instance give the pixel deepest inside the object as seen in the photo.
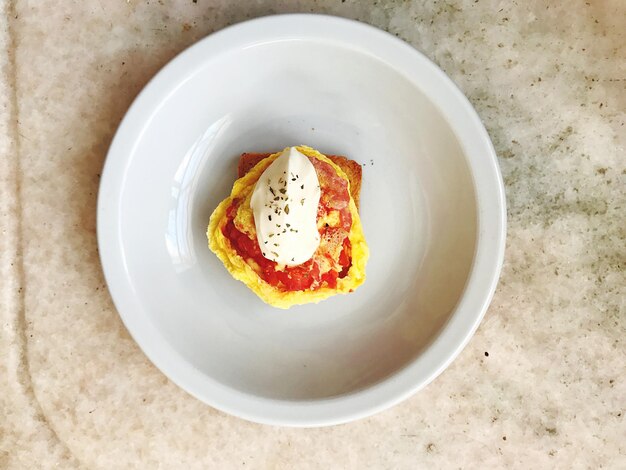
(286, 208)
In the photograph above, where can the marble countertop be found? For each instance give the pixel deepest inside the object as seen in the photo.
(541, 385)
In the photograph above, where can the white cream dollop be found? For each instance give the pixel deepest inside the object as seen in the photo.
(284, 204)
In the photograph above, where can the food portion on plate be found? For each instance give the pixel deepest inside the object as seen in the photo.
(290, 229)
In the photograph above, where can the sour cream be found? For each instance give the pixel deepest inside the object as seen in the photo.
(284, 204)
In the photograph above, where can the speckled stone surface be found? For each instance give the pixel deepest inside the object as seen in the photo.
(541, 385)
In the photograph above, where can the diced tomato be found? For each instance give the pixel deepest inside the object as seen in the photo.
(330, 278)
(271, 276)
(346, 255)
(249, 246)
(232, 209)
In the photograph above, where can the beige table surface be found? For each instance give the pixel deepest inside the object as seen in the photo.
(541, 385)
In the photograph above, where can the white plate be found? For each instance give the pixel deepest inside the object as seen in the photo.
(432, 206)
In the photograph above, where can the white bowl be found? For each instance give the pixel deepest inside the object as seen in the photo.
(432, 206)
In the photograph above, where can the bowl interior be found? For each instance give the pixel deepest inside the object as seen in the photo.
(418, 208)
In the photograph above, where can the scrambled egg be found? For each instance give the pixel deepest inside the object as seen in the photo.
(241, 270)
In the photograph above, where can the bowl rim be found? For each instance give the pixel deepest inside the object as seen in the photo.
(491, 212)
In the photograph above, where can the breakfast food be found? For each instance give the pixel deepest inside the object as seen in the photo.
(290, 229)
